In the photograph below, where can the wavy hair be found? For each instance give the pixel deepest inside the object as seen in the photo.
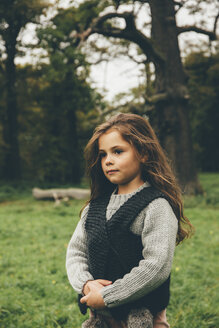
(155, 169)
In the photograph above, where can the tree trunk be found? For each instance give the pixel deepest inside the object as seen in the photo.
(12, 157)
(73, 155)
(171, 113)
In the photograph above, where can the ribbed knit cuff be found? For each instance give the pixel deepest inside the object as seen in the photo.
(107, 297)
(83, 279)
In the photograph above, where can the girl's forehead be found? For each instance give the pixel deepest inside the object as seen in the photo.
(110, 138)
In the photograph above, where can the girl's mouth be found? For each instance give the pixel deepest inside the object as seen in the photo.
(111, 172)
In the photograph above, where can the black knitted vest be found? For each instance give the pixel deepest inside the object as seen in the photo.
(113, 250)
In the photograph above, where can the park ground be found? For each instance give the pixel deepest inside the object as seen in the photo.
(34, 289)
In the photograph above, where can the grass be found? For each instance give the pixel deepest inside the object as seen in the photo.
(34, 290)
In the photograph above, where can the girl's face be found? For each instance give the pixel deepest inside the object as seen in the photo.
(119, 162)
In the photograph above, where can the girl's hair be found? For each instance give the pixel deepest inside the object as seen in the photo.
(155, 168)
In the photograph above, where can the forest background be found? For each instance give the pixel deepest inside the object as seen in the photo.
(49, 109)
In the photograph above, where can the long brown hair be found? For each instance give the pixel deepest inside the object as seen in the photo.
(155, 169)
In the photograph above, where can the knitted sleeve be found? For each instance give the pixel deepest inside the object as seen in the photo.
(76, 258)
(158, 226)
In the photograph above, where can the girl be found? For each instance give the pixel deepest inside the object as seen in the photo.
(120, 255)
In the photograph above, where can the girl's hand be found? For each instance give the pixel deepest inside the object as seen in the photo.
(102, 282)
(92, 297)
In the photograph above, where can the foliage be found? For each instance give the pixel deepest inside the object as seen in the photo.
(35, 292)
(58, 108)
(55, 100)
(14, 15)
(203, 72)
(65, 92)
(18, 13)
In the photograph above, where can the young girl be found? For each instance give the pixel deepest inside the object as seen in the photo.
(120, 255)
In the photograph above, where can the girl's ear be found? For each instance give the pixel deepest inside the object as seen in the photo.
(144, 158)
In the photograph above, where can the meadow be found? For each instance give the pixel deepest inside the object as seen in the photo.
(34, 289)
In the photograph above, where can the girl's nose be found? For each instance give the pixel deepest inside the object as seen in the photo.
(108, 160)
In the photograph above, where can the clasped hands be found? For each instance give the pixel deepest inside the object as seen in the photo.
(93, 297)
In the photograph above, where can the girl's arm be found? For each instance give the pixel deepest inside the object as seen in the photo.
(158, 227)
(76, 259)
(77, 268)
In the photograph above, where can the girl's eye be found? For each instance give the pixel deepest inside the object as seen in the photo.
(102, 155)
(118, 151)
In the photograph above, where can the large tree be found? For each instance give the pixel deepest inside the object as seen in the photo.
(14, 15)
(161, 48)
(203, 71)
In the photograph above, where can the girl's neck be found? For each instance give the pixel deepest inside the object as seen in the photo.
(127, 189)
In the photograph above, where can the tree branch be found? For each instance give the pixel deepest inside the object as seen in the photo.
(183, 29)
(101, 19)
(215, 23)
(137, 61)
(98, 61)
(142, 1)
(130, 33)
(180, 4)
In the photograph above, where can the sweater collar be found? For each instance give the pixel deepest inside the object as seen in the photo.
(118, 197)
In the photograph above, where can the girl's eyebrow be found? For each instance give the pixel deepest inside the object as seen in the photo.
(117, 146)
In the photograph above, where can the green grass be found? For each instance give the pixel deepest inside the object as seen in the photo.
(34, 290)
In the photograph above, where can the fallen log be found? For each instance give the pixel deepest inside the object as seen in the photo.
(58, 194)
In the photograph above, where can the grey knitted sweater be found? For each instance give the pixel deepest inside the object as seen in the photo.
(157, 226)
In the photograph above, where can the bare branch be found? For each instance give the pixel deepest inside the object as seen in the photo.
(183, 29)
(96, 26)
(101, 19)
(134, 36)
(111, 32)
(130, 33)
(137, 61)
(215, 23)
(98, 61)
(179, 4)
(142, 1)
